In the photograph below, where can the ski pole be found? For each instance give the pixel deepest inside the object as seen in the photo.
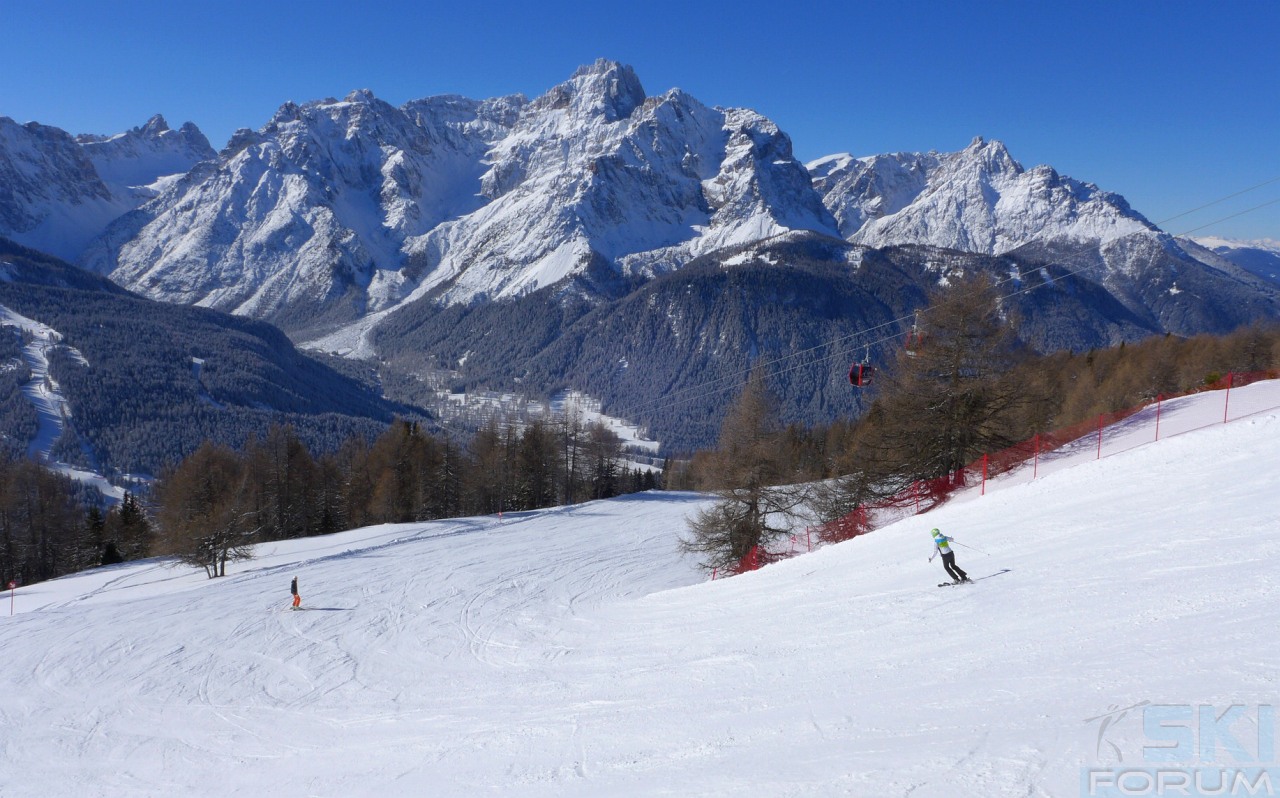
(975, 548)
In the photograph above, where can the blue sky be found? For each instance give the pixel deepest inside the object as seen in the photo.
(1172, 104)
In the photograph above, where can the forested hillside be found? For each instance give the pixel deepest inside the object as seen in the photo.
(670, 353)
(163, 378)
(966, 387)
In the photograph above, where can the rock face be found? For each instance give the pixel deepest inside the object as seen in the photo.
(977, 200)
(338, 213)
(338, 209)
(980, 200)
(58, 192)
(296, 219)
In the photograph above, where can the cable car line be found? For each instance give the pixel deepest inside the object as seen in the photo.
(679, 397)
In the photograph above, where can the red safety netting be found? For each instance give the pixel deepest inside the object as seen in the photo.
(753, 559)
(925, 495)
(760, 555)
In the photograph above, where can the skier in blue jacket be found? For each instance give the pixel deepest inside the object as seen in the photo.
(941, 545)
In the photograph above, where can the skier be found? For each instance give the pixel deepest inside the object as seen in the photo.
(293, 588)
(940, 546)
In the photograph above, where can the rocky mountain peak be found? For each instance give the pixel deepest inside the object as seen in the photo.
(58, 192)
(287, 112)
(338, 213)
(155, 126)
(240, 140)
(363, 96)
(991, 157)
(357, 119)
(142, 154)
(978, 199)
(603, 89)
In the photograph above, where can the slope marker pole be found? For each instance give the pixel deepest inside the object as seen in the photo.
(1226, 402)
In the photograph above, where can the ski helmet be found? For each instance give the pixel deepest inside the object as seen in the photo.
(936, 532)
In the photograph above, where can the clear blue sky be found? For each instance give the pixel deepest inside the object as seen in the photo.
(1172, 104)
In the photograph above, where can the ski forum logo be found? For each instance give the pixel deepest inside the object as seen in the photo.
(1186, 750)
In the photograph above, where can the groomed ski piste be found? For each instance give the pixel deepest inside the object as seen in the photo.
(52, 408)
(575, 652)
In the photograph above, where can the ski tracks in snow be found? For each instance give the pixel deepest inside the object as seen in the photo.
(516, 615)
(41, 390)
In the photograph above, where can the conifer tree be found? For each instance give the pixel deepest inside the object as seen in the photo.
(952, 395)
(537, 467)
(129, 529)
(603, 450)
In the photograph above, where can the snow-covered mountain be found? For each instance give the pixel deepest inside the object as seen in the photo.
(981, 200)
(359, 204)
(304, 212)
(1261, 258)
(58, 192)
(499, 239)
(134, 160)
(338, 213)
(102, 380)
(976, 200)
(51, 407)
(597, 171)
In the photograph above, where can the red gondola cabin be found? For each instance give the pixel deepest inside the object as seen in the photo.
(860, 375)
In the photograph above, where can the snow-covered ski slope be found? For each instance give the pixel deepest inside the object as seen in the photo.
(52, 408)
(573, 652)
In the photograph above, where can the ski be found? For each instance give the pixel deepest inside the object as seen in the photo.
(973, 579)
